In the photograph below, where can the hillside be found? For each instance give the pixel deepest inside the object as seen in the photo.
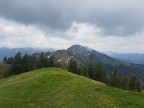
(124, 68)
(83, 53)
(57, 88)
(61, 57)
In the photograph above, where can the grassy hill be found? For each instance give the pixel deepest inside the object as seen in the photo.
(57, 88)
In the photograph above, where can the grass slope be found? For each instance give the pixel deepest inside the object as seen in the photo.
(57, 88)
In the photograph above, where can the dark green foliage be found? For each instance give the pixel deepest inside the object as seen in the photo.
(115, 79)
(132, 82)
(20, 64)
(100, 74)
(93, 71)
(104, 76)
(90, 64)
(124, 83)
(25, 63)
(84, 71)
(9, 60)
(51, 61)
(16, 66)
(73, 66)
(42, 62)
(32, 63)
(138, 86)
(5, 59)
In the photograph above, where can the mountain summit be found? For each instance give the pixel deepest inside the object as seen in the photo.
(124, 68)
(84, 53)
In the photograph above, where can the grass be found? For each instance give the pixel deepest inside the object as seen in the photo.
(57, 88)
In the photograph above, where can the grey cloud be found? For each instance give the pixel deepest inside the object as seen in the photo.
(115, 17)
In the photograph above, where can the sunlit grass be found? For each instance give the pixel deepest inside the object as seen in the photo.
(57, 88)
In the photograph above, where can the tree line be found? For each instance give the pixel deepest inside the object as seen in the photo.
(20, 64)
(96, 72)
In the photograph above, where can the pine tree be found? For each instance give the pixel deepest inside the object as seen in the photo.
(84, 71)
(32, 63)
(25, 63)
(73, 66)
(5, 59)
(42, 62)
(115, 79)
(138, 86)
(9, 60)
(132, 82)
(104, 76)
(90, 64)
(51, 61)
(124, 83)
(16, 66)
(97, 73)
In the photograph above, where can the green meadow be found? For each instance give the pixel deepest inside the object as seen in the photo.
(58, 88)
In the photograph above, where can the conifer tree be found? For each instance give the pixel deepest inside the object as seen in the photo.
(9, 60)
(84, 71)
(132, 82)
(90, 64)
(138, 86)
(73, 66)
(42, 62)
(104, 76)
(51, 61)
(124, 83)
(32, 63)
(25, 63)
(97, 72)
(114, 78)
(5, 59)
(16, 66)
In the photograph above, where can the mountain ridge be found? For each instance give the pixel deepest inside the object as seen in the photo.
(124, 68)
(10, 52)
(128, 57)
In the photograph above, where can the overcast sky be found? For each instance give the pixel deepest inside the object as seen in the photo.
(104, 25)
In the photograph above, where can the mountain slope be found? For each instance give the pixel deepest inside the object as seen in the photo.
(61, 57)
(110, 63)
(52, 87)
(84, 52)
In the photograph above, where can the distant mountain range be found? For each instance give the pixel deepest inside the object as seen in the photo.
(129, 58)
(81, 55)
(11, 52)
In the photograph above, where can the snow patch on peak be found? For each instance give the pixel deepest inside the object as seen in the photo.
(89, 49)
(59, 60)
(49, 56)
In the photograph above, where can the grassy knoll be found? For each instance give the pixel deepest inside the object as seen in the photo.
(57, 88)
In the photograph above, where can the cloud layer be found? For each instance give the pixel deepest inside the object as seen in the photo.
(106, 25)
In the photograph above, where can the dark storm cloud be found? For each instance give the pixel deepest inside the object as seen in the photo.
(114, 17)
